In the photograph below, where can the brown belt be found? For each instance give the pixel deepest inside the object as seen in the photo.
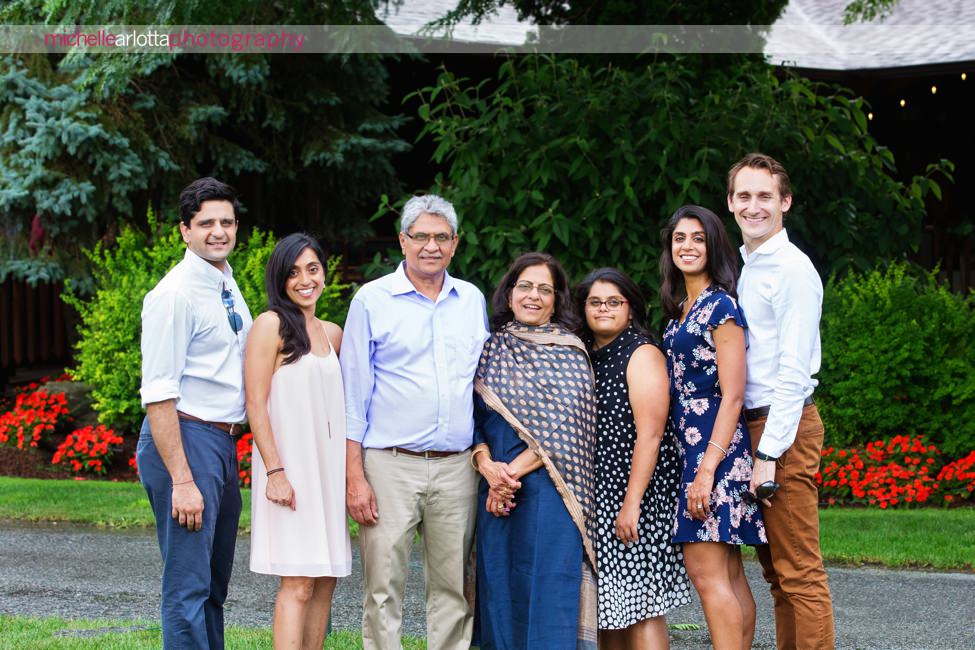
(760, 412)
(424, 454)
(226, 427)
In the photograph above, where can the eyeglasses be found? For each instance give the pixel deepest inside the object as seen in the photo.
(424, 237)
(543, 289)
(764, 491)
(236, 322)
(612, 304)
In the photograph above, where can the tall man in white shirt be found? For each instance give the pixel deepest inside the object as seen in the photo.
(781, 294)
(411, 345)
(194, 325)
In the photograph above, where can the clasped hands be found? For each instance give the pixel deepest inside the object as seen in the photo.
(502, 485)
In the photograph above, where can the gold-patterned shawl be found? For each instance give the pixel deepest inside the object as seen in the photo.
(540, 381)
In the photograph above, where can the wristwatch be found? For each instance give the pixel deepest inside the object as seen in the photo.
(763, 456)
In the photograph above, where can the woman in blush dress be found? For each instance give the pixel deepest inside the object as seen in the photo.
(705, 347)
(641, 572)
(296, 410)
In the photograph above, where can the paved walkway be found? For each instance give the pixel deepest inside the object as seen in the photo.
(51, 570)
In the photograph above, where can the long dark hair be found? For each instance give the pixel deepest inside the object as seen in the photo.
(721, 266)
(564, 314)
(292, 322)
(629, 290)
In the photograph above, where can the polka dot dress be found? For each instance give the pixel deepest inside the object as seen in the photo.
(648, 578)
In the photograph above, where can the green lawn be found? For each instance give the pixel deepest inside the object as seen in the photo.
(923, 538)
(43, 633)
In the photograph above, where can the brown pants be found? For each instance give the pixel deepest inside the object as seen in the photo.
(792, 562)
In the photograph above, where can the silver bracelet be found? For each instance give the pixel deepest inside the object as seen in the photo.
(723, 450)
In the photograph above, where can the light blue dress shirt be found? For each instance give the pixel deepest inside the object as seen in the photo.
(408, 364)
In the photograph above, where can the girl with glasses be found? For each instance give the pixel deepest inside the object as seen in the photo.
(641, 572)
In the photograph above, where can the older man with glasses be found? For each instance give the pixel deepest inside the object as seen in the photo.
(411, 345)
(194, 325)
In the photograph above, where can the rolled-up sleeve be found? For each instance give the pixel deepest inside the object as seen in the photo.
(797, 303)
(167, 329)
(358, 374)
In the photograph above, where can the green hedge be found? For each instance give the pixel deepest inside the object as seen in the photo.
(108, 353)
(898, 358)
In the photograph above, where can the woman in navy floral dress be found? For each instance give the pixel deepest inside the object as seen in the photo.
(705, 347)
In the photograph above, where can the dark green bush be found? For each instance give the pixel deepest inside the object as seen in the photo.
(898, 357)
(108, 352)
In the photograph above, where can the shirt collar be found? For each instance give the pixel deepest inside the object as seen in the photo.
(402, 284)
(769, 246)
(208, 273)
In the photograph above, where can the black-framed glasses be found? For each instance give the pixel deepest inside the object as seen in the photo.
(543, 289)
(424, 237)
(764, 491)
(236, 322)
(612, 304)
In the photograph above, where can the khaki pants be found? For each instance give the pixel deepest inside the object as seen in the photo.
(792, 562)
(437, 496)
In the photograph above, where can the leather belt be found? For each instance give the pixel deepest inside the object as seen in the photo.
(226, 427)
(760, 412)
(424, 454)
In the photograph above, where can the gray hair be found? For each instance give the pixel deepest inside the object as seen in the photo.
(429, 204)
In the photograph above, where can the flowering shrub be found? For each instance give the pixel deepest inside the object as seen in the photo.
(899, 472)
(36, 414)
(87, 449)
(245, 449)
(134, 464)
(957, 479)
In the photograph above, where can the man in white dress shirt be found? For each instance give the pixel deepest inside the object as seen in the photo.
(194, 326)
(781, 294)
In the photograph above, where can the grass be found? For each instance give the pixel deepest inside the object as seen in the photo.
(923, 538)
(43, 633)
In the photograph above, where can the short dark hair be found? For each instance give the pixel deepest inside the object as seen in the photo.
(201, 190)
(722, 266)
(628, 288)
(761, 161)
(564, 314)
(291, 327)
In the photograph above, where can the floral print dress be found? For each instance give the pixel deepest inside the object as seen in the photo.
(695, 397)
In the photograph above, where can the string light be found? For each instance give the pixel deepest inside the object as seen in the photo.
(870, 116)
(934, 90)
(964, 76)
(903, 103)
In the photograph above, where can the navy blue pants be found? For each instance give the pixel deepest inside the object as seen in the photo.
(196, 565)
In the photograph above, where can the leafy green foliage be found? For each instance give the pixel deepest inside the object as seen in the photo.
(108, 352)
(622, 12)
(588, 162)
(84, 137)
(867, 10)
(898, 358)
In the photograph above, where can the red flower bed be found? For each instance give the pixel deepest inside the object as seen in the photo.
(245, 449)
(900, 472)
(34, 417)
(957, 479)
(87, 449)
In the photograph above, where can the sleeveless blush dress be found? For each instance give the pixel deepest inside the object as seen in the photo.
(306, 406)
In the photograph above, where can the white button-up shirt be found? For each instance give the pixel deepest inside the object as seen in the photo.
(781, 294)
(408, 364)
(189, 350)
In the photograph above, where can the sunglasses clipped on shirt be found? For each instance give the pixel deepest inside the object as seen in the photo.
(236, 322)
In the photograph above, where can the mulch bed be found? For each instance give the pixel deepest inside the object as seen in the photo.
(36, 463)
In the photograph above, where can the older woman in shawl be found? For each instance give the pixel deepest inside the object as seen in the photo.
(535, 431)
